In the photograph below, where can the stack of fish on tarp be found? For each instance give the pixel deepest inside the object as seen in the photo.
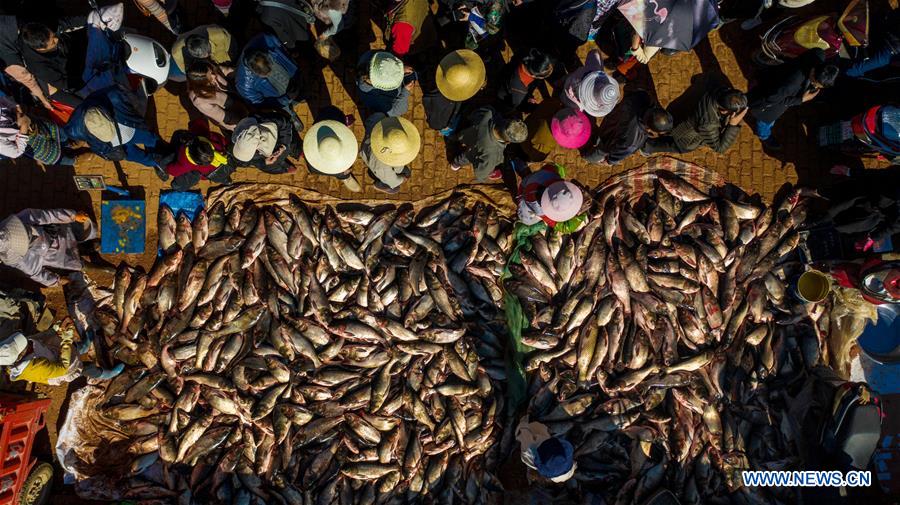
(289, 354)
(659, 333)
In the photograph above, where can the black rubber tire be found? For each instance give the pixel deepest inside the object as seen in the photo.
(36, 488)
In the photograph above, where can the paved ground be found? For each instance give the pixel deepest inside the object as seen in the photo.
(24, 185)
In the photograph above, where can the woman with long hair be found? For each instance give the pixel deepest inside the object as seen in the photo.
(211, 92)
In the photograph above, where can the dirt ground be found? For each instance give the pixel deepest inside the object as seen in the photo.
(673, 79)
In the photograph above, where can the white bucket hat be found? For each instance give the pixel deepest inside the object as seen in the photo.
(395, 141)
(11, 348)
(251, 137)
(385, 71)
(14, 240)
(330, 147)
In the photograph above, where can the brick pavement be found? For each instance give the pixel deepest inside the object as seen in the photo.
(745, 164)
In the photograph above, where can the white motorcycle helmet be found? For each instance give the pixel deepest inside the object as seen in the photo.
(148, 58)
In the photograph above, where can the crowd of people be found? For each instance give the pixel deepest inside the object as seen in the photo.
(77, 78)
(75, 84)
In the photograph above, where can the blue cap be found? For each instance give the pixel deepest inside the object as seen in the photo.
(554, 457)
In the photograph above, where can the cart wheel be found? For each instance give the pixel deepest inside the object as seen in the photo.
(36, 488)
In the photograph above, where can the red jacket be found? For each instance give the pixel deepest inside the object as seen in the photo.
(183, 165)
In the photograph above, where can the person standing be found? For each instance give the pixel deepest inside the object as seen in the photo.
(571, 129)
(459, 76)
(552, 458)
(715, 123)
(544, 196)
(76, 59)
(523, 77)
(37, 242)
(266, 76)
(205, 43)
(636, 119)
(110, 124)
(267, 141)
(483, 144)
(384, 83)
(290, 20)
(211, 91)
(805, 78)
(410, 27)
(331, 149)
(391, 144)
(336, 15)
(590, 89)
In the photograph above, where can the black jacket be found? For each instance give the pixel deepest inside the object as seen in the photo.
(290, 23)
(621, 132)
(770, 99)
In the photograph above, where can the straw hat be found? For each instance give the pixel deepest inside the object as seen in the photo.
(395, 141)
(385, 71)
(561, 201)
(99, 124)
(13, 240)
(571, 128)
(460, 75)
(330, 147)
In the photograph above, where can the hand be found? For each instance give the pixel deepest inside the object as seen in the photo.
(635, 42)
(82, 217)
(737, 117)
(409, 85)
(24, 122)
(275, 154)
(463, 13)
(809, 95)
(46, 103)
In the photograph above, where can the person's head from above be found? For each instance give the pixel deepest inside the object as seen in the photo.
(385, 71)
(598, 93)
(259, 63)
(562, 201)
(513, 131)
(39, 37)
(554, 459)
(13, 349)
(538, 64)
(201, 77)
(461, 75)
(731, 101)
(823, 76)
(198, 47)
(657, 121)
(200, 152)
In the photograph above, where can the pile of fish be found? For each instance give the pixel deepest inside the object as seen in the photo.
(312, 356)
(658, 334)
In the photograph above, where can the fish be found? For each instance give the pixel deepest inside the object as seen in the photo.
(165, 228)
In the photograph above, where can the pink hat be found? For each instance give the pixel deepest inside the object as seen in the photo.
(561, 201)
(571, 128)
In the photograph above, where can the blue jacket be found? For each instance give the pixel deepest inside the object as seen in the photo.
(255, 89)
(120, 107)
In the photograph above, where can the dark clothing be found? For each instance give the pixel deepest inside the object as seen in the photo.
(12, 47)
(287, 136)
(393, 102)
(120, 106)
(621, 132)
(517, 86)
(440, 112)
(877, 216)
(480, 147)
(705, 127)
(579, 17)
(770, 99)
(289, 20)
(266, 91)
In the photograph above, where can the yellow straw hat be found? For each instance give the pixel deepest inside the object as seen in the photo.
(460, 75)
(330, 147)
(395, 141)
